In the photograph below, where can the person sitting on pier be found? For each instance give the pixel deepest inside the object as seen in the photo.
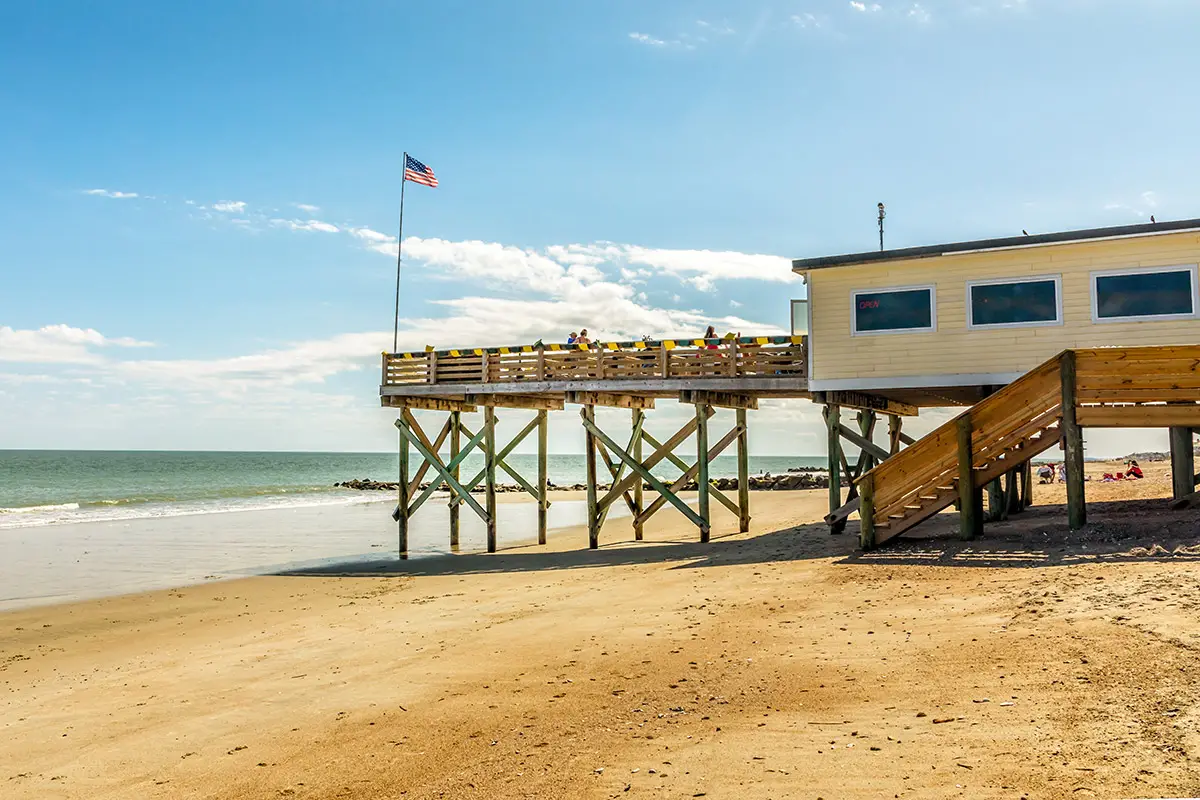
(571, 339)
(583, 337)
(710, 334)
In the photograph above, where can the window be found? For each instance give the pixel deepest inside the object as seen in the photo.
(905, 309)
(1009, 303)
(1156, 293)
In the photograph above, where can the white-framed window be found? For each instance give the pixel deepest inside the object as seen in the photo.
(1014, 302)
(895, 309)
(1147, 293)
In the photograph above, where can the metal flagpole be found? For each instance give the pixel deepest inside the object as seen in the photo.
(399, 247)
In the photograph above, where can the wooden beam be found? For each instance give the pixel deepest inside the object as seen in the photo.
(415, 483)
(719, 399)
(401, 514)
(1073, 436)
(543, 473)
(617, 469)
(610, 399)
(689, 474)
(638, 422)
(503, 454)
(862, 442)
(866, 513)
(426, 403)
(456, 431)
(442, 470)
(659, 454)
(970, 498)
(866, 402)
(642, 471)
(534, 402)
(1184, 416)
(1183, 462)
(743, 459)
(832, 414)
(593, 511)
(895, 431)
(702, 471)
(489, 461)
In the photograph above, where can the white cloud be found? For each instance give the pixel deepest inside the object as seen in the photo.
(864, 7)
(112, 194)
(919, 13)
(306, 225)
(58, 344)
(230, 206)
(306, 207)
(719, 28)
(702, 268)
(807, 20)
(645, 38)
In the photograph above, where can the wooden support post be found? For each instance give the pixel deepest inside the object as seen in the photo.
(970, 498)
(743, 459)
(1073, 437)
(995, 497)
(638, 526)
(432, 366)
(867, 457)
(593, 512)
(895, 428)
(489, 455)
(1012, 489)
(1183, 463)
(833, 415)
(1027, 494)
(543, 473)
(866, 513)
(402, 499)
(702, 474)
(455, 431)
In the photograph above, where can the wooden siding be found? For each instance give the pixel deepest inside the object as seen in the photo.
(953, 349)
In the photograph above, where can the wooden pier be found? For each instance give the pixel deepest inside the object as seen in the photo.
(708, 374)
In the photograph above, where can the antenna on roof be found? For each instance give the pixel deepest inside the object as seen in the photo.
(882, 214)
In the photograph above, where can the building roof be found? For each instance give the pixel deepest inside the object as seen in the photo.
(929, 251)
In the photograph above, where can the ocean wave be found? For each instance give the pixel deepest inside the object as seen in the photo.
(37, 516)
(41, 509)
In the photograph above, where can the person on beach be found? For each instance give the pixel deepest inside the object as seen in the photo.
(1134, 472)
(1046, 473)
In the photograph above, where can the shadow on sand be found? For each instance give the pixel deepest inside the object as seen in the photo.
(1127, 531)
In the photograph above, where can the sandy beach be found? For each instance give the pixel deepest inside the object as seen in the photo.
(782, 663)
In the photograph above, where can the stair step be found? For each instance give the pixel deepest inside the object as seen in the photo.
(927, 497)
(895, 516)
(913, 508)
(947, 488)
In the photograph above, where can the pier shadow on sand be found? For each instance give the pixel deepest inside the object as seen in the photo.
(1118, 532)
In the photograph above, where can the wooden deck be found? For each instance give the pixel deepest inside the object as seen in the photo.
(770, 366)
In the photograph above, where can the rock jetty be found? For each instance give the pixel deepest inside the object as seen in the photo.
(789, 481)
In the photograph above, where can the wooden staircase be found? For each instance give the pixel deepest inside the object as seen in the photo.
(1104, 387)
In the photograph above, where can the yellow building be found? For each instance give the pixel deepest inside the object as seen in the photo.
(950, 321)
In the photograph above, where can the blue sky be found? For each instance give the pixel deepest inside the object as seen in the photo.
(198, 201)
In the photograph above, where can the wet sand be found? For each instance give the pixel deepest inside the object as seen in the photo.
(1033, 662)
(76, 561)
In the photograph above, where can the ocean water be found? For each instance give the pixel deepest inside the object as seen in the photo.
(48, 487)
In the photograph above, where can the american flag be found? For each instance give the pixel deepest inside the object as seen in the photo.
(417, 172)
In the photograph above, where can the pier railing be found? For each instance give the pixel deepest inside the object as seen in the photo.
(750, 356)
